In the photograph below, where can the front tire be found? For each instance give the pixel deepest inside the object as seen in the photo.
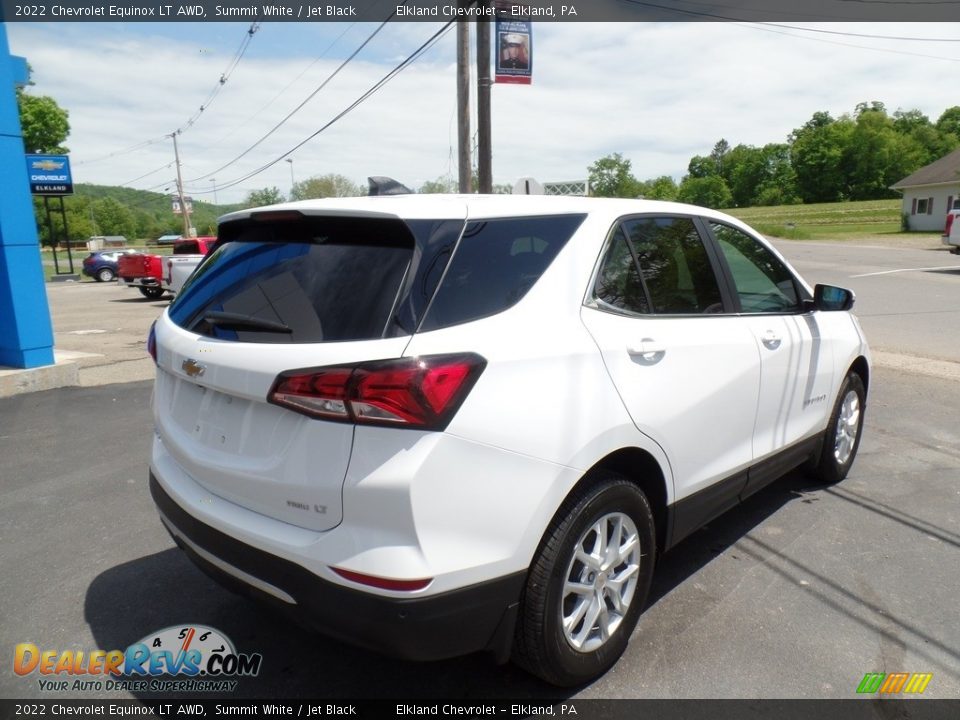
(588, 583)
(842, 438)
(105, 275)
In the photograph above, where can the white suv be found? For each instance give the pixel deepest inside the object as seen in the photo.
(432, 425)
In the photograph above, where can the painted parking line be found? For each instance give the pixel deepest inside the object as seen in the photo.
(903, 270)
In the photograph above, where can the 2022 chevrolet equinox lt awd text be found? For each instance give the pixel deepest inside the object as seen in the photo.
(434, 425)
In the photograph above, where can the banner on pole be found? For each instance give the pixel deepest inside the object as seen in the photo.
(514, 52)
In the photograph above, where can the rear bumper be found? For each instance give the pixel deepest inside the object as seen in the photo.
(141, 282)
(459, 622)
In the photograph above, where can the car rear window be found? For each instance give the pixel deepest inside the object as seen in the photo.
(187, 247)
(305, 280)
(495, 264)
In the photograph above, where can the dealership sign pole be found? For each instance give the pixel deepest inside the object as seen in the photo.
(50, 177)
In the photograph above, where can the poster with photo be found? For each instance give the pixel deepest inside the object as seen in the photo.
(514, 63)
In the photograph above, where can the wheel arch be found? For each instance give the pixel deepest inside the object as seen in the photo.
(642, 469)
(862, 368)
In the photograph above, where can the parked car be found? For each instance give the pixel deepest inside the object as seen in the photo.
(102, 265)
(435, 425)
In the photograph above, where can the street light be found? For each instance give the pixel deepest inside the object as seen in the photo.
(214, 181)
(292, 183)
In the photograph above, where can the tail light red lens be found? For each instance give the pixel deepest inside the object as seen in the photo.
(422, 392)
(950, 217)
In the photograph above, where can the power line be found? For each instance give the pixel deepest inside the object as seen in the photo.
(858, 35)
(148, 174)
(716, 16)
(302, 104)
(753, 26)
(224, 76)
(373, 89)
(285, 88)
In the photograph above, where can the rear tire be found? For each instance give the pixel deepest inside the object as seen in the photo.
(588, 583)
(151, 293)
(842, 438)
(105, 275)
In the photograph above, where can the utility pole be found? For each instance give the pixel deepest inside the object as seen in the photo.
(292, 183)
(484, 149)
(183, 202)
(464, 166)
(214, 181)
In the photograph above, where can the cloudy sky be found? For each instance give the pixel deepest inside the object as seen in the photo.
(658, 93)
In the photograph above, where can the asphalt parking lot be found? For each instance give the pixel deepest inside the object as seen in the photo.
(798, 593)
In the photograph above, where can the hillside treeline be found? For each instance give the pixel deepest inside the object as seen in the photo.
(852, 157)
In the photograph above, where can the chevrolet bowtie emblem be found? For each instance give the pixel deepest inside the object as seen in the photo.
(192, 368)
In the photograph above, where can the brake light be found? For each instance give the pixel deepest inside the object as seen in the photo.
(422, 392)
(382, 582)
(152, 342)
(950, 217)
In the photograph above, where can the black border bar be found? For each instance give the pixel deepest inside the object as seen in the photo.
(858, 709)
(783, 11)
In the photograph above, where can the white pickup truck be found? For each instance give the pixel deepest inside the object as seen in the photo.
(951, 231)
(186, 256)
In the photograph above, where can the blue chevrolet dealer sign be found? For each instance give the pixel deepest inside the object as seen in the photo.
(49, 175)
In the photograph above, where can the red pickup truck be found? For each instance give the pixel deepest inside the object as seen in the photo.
(147, 272)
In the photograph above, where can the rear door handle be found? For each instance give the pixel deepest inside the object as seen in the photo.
(648, 350)
(771, 340)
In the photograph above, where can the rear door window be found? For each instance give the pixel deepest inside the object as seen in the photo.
(495, 264)
(676, 268)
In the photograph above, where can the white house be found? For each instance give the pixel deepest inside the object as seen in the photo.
(930, 191)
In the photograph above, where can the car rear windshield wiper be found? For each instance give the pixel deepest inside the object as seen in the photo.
(239, 321)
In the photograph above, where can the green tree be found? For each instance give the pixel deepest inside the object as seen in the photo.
(113, 217)
(701, 166)
(439, 186)
(660, 188)
(949, 121)
(263, 196)
(719, 156)
(876, 156)
(324, 186)
(818, 150)
(709, 192)
(45, 124)
(610, 176)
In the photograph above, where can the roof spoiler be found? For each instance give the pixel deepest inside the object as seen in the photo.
(381, 185)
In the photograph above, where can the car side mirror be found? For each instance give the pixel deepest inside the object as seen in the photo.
(830, 298)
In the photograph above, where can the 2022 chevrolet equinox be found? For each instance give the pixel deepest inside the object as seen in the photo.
(434, 425)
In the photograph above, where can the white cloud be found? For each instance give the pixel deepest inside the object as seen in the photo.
(659, 93)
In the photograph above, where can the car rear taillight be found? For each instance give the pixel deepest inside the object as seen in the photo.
(421, 392)
(949, 223)
(152, 342)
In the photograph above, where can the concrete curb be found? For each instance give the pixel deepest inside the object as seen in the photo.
(943, 369)
(15, 381)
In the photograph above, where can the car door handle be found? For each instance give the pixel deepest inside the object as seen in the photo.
(648, 350)
(771, 340)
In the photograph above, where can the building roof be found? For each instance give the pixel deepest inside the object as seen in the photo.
(944, 170)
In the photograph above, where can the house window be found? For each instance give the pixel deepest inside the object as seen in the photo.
(921, 208)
